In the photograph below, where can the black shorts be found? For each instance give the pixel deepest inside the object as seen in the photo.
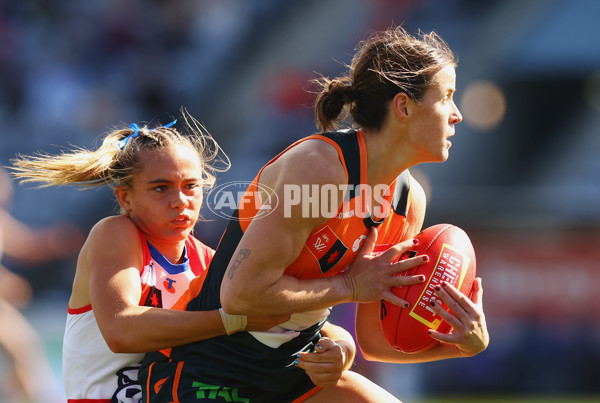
(236, 368)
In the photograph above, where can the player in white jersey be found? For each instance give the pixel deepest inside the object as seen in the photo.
(133, 264)
(90, 369)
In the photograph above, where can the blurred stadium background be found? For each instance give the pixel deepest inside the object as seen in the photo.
(522, 177)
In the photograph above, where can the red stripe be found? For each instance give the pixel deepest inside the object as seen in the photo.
(308, 394)
(78, 311)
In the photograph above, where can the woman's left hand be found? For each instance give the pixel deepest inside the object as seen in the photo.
(326, 364)
(469, 331)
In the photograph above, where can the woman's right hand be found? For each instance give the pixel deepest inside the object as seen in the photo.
(371, 277)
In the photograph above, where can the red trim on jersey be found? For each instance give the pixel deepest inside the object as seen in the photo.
(78, 311)
(146, 257)
(200, 260)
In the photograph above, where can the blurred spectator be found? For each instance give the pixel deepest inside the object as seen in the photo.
(29, 376)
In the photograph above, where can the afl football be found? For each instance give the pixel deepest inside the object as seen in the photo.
(451, 260)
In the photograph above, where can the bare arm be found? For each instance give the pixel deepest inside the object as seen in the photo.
(255, 282)
(112, 258)
(469, 335)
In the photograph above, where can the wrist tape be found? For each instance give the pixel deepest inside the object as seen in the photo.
(233, 323)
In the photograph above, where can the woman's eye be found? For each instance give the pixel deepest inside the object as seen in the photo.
(160, 188)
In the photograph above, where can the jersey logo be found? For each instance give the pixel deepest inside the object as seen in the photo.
(169, 285)
(357, 243)
(220, 393)
(154, 298)
(129, 389)
(159, 384)
(327, 248)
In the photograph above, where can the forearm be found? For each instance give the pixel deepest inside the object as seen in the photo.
(286, 295)
(437, 353)
(375, 347)
(142, 329)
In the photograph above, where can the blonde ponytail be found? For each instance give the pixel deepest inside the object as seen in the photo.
(114, 162)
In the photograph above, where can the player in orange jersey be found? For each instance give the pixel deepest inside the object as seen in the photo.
(303, 256)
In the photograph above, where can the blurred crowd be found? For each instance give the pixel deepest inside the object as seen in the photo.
(69, 68)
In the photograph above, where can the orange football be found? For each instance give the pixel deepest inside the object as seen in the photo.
(451, 260)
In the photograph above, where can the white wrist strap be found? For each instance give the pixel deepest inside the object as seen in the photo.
(233, 323)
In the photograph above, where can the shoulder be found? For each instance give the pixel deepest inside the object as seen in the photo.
(114, 225)
(113, 245)
(114, 231)
(315, 149)
(312, 161)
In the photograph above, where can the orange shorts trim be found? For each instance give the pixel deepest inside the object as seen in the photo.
(148, 382)
(176, 381)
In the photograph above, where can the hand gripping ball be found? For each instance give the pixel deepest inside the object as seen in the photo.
(451, 260)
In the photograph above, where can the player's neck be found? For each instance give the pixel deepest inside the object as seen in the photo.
(172, 251)
(385, 160)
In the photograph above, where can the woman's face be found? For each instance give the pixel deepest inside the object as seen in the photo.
(432, 119)
(165, 195)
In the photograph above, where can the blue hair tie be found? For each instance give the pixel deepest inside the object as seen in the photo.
(136, 130)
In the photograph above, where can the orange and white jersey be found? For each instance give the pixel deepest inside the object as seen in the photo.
(92, 373)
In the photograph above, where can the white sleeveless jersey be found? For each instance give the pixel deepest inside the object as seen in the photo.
(92, 373)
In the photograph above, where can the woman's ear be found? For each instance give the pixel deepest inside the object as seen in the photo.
(123, 196)
(400, 105)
